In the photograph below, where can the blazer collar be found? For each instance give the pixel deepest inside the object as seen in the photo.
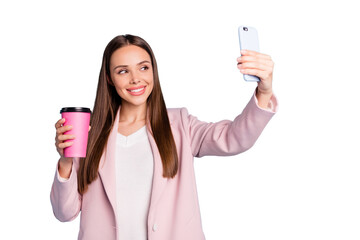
(107, 168)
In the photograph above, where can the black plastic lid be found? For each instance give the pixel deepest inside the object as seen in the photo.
(75, 109)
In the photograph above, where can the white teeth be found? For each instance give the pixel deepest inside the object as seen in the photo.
(137, 90)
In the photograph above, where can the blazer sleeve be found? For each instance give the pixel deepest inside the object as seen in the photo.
(65, 198)
(227, 137)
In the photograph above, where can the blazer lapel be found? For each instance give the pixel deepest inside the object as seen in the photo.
(159, 182)
(107, 165)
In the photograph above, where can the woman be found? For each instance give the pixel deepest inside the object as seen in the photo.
(137, 181)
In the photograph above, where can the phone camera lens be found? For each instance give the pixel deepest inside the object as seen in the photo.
(245, 28)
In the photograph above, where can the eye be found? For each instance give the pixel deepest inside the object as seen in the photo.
(145, 68)
(121, 71)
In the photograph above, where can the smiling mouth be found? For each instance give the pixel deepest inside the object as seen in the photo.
(137, 91)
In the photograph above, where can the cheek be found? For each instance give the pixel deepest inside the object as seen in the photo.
(150, 79)
(151, 85)
(119, 86)
(120, 92)
(118, 82)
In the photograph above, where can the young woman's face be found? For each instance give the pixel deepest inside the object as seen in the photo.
(132, 74)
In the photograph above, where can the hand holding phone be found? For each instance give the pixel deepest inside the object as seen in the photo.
(254, 65)
(248, 39)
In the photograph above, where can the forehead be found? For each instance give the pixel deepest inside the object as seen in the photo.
(129, 55)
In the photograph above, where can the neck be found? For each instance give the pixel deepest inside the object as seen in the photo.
(131, 114)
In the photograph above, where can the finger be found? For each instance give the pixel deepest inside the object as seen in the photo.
(256, 72)
(246, 52)
(65, 144)
(257, 57)
(59, 150)
(63, 129)
(64, 137)
(59, 123)
(245, 59)
(253, 58)
(255, 65)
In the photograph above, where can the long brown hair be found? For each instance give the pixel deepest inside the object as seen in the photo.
(106, 105)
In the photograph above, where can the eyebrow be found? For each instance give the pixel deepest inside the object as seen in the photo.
(146, 61)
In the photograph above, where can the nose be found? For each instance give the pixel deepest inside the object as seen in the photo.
(134, 78)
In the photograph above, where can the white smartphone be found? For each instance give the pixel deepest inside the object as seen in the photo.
(248, 39)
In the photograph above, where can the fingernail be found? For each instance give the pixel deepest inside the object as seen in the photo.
(243, 51)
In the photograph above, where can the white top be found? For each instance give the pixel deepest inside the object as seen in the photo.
(134, 173)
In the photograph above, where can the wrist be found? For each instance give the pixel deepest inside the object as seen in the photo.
(263, 98)
(64, 167)
(266, 93)
(65, 161)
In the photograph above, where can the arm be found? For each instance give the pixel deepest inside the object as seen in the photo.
(227, 137)
(233, 137)
(64, 196)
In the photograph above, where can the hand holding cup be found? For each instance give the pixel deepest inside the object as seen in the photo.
(61, 137)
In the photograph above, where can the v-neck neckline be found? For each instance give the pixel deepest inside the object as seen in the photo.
(132, 138)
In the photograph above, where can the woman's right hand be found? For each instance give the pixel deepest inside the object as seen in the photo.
(61, 138)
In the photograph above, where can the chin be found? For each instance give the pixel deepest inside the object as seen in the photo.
(138, 102)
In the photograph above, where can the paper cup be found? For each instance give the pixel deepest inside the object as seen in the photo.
(79, 119)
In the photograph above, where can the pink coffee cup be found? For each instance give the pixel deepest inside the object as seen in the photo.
(79, 119)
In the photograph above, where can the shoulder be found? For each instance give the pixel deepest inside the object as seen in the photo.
(176, 111)
(177, 115)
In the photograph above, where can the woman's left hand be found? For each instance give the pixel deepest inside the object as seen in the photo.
(260, 65)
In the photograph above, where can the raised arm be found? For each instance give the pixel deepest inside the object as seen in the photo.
(233, 137)
(227, 137)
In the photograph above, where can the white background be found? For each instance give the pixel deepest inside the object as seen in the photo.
(301, 179)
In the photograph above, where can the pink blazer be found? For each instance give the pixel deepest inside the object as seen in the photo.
(174, 212)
